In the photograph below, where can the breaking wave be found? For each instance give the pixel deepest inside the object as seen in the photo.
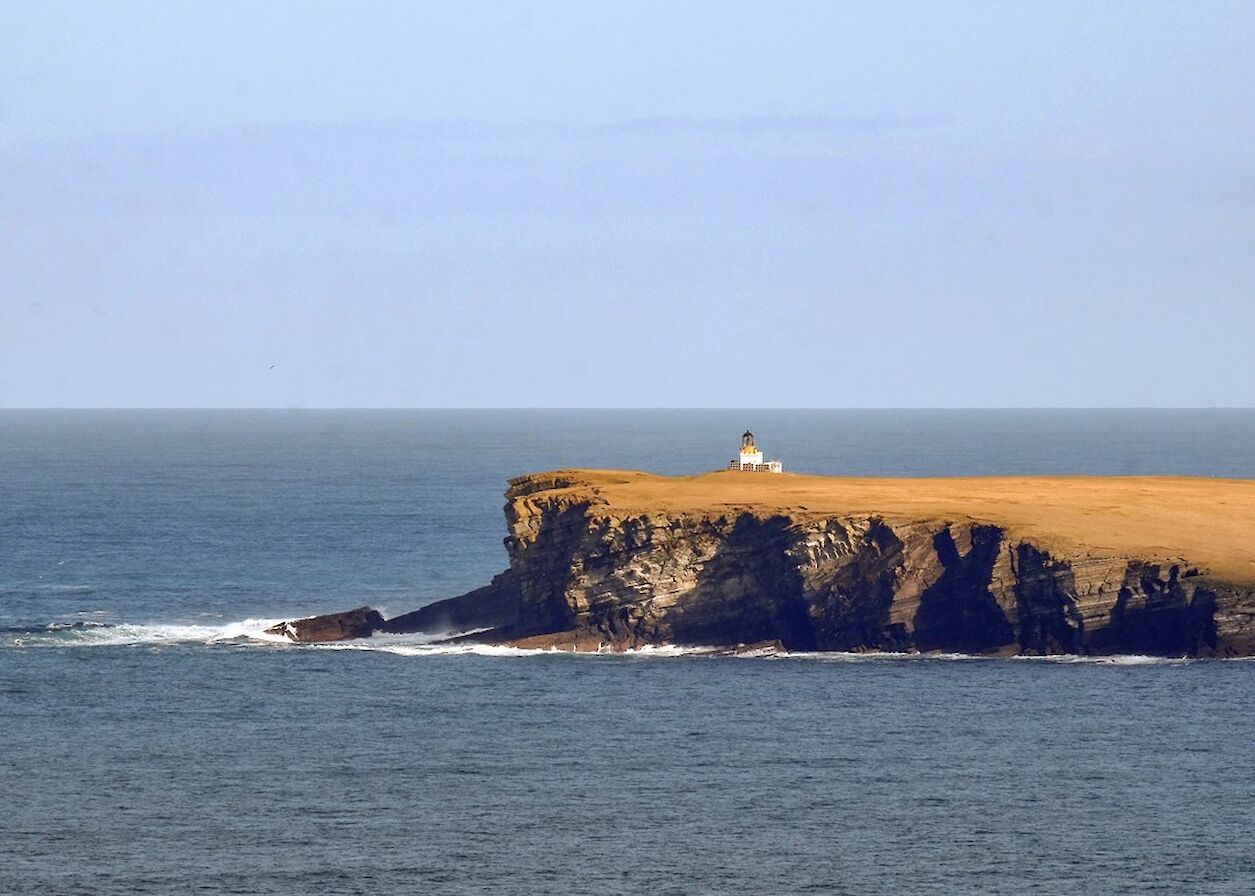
(103, 634)
(245, 632)
(404, 645)
(399, 646)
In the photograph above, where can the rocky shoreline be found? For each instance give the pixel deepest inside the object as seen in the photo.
(599, 562)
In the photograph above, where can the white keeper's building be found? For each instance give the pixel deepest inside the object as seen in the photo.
(751, 460)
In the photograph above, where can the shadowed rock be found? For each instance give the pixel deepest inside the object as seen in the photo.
(615, 560)
(359, 623)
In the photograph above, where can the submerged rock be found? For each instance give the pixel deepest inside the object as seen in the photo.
(359, 623)
(759, 649)
(77, 625)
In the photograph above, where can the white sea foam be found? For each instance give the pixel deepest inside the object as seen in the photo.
(880, 656)
(418, 644)
(440, 645)
(1117, 660)
(253, 631)
(135, 634)
(433, 649)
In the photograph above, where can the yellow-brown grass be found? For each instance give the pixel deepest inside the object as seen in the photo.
(1208, 523)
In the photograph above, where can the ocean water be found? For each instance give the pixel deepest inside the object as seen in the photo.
(152, 741)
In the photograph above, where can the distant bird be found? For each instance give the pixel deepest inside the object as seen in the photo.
(272, 367)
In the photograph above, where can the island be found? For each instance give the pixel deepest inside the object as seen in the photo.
(611, 560)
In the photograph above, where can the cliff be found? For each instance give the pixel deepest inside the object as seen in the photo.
(1087, 565)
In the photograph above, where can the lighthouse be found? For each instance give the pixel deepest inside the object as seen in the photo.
(750, 460)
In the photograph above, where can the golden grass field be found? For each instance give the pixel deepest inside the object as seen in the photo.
(1208, 523)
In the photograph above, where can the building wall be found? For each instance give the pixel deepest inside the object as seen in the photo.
(773, 466)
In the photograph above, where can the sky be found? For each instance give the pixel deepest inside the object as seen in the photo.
(627, 205)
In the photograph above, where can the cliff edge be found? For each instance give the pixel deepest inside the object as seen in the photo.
(1031, 565)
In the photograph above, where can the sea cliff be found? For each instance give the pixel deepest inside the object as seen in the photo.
(1069, 565)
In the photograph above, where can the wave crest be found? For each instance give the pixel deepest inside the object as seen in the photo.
(94, 633)
(123, 634)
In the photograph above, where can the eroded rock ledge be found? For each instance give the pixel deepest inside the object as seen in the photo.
(359, 623)
(622, 560)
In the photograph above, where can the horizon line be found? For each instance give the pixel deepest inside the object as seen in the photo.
(626, 408)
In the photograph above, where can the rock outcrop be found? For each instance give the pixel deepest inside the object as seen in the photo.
(359, 623)
(590, 569)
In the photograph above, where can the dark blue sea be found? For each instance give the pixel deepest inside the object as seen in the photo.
(152, 742)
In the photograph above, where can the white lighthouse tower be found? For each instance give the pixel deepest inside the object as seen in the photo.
(751, 460)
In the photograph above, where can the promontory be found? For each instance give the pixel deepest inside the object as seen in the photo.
(611, 560)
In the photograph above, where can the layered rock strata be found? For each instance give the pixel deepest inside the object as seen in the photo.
(592, 567)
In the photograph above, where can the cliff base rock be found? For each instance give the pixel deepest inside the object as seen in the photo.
(359, 623)
(618, 560)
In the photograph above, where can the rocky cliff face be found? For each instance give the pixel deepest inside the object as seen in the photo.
(582, 574)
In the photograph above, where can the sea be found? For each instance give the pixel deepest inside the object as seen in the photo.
(153, 740)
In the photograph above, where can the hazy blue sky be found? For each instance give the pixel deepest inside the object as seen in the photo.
(595, 204)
